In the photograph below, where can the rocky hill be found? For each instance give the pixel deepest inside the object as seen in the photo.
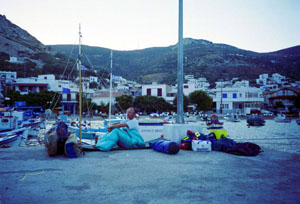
(201, 58)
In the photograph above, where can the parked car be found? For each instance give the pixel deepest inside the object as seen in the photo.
(267, 113)
(154, 115)
(255, 111)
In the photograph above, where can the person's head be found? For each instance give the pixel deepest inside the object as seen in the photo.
(130, 113)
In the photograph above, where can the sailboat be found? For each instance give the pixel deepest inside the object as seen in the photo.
(87, 134)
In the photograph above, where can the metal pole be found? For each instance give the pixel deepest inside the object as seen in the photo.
(221, 106)
(79, 69)
(180, 118)
(110, 87)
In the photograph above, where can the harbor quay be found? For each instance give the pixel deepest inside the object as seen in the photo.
(29, 175)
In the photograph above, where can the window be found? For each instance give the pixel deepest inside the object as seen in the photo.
(148, 92)
(241, 95)
(45, 77)
(234, 95)
(224, 95)
(68, 97)
(159, 92)
(186, 86)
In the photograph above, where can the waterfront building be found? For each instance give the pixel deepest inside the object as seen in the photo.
(102, 97)
(285, 95)
(157, 90)
(237, 99)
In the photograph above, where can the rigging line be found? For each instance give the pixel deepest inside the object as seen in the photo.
(72, 69)
(68, 61)
(100, 77)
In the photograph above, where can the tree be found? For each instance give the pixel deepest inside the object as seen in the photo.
(186, 102)
(297, 101)
(124, 101)
(202, 99)
(151, 104)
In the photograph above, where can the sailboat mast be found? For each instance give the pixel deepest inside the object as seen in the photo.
(80, 87)
(110, 86)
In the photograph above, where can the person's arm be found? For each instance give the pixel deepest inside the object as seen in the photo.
(116, 125)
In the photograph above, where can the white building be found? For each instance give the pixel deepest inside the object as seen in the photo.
(279, 79)
(94, 79)
(239, 84)
(154, 89)
(32, 84)
(103, 97)
(8, 77)
(262, 80)
(238, 100)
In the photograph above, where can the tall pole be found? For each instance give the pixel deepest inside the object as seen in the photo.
(110, 87)
(221, 106)
(80, 90)
(179, 118)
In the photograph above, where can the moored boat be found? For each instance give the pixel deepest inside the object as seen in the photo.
(214, 123)
(255, 120)
(281, 118)
(232, 118)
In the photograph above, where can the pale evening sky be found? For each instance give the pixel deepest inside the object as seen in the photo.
(257, 25)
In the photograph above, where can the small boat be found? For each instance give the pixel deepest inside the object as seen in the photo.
(281, 118)
(255, 120)
(5, 139)
(214, 123)
(232, 118)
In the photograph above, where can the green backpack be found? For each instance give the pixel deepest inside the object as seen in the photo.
(72, 148)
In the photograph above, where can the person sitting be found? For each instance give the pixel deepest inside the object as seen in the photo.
(124, 134)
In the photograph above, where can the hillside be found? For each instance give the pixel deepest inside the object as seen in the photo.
(35, 58)
(202, 58)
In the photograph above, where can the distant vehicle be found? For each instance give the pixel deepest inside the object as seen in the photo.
(154, 115)
(267, 113)
(255, 111)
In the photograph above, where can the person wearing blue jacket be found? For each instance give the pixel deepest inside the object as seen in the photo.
(125, 134)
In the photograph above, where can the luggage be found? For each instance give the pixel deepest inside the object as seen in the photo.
(201, 145)
(72, 148)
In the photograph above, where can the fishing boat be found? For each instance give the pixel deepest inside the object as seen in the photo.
(281, 118)
(232, 118)
(255, 120)
(214, 123)
(10, 130)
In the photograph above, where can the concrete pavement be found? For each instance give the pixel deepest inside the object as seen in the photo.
(28, 175)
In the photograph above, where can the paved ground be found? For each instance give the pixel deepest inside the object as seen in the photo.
(28, 175)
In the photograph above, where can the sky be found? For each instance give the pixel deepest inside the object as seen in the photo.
(256, 25)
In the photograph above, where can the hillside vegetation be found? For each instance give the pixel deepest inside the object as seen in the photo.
(201, 58)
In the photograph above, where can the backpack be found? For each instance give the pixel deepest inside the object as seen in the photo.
(51, 142)
(62, 133)
(55, 139)
(72, 148)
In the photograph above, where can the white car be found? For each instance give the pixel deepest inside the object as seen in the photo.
(267, 113)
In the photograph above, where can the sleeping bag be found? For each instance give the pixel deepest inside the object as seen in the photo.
(130, 138)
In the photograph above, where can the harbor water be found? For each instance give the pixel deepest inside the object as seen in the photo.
(273, 135)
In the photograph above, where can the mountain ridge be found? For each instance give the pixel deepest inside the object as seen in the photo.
(202, 58)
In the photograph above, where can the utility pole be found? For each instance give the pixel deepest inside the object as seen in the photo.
(180, 118)
(221, 106)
